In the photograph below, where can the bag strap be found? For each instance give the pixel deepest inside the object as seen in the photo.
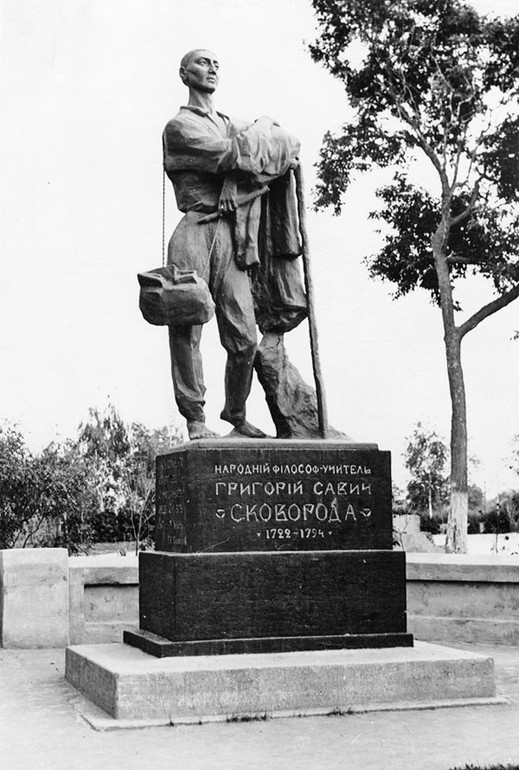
(163, 217)
(205, 276)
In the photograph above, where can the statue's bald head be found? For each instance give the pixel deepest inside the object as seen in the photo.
(190, 55)
(199, 69)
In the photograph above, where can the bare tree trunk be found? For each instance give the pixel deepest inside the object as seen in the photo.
(456, 540)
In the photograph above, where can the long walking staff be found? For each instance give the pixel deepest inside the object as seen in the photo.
(322, 414)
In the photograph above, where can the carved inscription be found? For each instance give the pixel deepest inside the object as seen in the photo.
(171, 504)
(299, 499)
(290, 468)
(310, 498)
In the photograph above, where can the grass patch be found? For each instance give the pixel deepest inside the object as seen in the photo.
(337, 712)
(487, 767)
(248, 718)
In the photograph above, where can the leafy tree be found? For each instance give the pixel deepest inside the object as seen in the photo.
(122, 459)
(65, 504)
(425, 458)
(99, 487)
(104, 441)
(139, 477)
(499, 519)
(515, 455)
(476, 498)
(44, 499)
(439, 83)
(400, 505)
(514, 508)
(14, 480)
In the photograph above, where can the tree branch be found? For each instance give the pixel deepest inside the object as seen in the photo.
(35, 529)
(487, 310)
(470, 208)
(458, 260)
(410, 115)
(459, 153)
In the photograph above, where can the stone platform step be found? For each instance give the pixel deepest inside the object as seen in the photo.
(136, 689)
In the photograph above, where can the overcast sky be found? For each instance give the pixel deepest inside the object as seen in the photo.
(87, 86)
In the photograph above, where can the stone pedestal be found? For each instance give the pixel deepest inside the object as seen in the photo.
(273, 495)
(266, 602)
(273, 578)
(266, 546)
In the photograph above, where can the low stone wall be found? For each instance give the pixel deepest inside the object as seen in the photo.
(450, 598)
(103, 597)
(34, 597)
(461, 598)
(50, 600)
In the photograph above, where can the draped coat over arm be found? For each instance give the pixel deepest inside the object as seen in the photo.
(200, 154)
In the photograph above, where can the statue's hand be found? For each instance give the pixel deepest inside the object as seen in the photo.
(228, 200)
(267, 122)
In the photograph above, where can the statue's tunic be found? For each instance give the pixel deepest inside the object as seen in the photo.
(200, 151)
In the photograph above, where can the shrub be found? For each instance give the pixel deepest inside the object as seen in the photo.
(432, 524)
(498, 520)
(98, 488)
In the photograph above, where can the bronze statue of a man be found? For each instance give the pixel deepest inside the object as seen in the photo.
(226, 169)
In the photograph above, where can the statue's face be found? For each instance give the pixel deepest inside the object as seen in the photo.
(201, 72)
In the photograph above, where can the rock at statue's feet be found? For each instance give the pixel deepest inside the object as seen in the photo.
(292, 403)
(197, 429)
(246, 430)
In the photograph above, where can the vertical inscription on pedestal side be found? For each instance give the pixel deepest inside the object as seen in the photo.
(171, 501)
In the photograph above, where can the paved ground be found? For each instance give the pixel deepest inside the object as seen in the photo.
(41, 727)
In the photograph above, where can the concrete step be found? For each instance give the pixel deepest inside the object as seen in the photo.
(136, 689)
